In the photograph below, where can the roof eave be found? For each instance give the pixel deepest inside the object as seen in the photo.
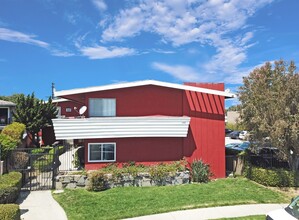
(64, 93)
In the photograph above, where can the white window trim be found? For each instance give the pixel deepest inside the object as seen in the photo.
(92, 161)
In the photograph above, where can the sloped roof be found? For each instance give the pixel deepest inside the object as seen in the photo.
(143, 83)
(6, 103)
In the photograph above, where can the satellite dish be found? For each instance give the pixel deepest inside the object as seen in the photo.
(82, 110)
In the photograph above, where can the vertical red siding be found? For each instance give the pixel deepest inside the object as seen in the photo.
(207, 129)
(205, 138)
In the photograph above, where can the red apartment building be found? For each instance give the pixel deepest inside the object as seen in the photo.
(147, 122)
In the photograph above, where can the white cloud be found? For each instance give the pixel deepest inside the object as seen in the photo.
(181, 72)
(59, 53)
(100, 5)
(163, 51)
(217, 23)
(99, 52)
(236, 77)
(19, 37)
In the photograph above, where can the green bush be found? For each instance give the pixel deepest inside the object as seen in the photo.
(59, 150)
(10, 138)
(6, 144)
(160, 172)
(97, 181)
(10, 186)
(274, 177)
(14, 130)
(200, 171)
(9, 212)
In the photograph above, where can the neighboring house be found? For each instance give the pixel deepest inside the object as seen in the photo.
(147, 122)
(6, 109)
(232, 117)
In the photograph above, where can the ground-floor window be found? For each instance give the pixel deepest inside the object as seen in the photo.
(101, 152)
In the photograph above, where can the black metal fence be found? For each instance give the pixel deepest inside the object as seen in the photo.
(38, 166)
(266, 161)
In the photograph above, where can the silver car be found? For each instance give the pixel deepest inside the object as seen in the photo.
(291, 212)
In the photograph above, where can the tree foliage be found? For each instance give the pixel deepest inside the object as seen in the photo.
(270, 107)
(13, 98)
(34, 113)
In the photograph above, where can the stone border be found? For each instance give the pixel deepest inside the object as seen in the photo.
(73, 181)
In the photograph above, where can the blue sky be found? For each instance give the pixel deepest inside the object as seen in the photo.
(82, 43)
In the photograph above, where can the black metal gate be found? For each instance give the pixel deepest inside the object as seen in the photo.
(39, 166)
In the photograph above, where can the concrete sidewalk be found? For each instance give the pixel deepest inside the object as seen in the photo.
(36, 205)
(214, 212)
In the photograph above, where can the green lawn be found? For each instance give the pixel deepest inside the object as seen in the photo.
(253, 217)
(136, 201)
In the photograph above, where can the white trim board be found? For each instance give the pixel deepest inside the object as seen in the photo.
(143, 83)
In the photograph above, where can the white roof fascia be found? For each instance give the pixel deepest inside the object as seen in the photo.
(59, 100)
(143, 83)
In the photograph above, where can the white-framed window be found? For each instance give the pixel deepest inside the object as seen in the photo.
(99, 107)
(68, 109)
(101, 152)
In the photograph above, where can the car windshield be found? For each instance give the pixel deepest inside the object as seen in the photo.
(293, 208)
(244, 145)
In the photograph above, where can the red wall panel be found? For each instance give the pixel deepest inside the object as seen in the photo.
(141, 150)
(205, 138)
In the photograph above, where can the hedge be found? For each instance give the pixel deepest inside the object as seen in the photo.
(10, 186)
(273, 177)
(9, 212)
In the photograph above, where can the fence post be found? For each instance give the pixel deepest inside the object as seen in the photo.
(54, 167)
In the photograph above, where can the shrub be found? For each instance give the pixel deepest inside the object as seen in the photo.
(59, 150)
(18, 160)
(274, 177)
(10, 138)
(160, 172)
(200, 171)
(10, 186)
(14, 130)
(9, 212)
(97, 181)
(38, 151)
(7, 143)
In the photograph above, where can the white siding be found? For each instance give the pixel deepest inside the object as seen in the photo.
(120, 127)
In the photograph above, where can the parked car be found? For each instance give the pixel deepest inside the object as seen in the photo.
(236, 148)
(234, 135)
(291, 212)
(241, 147)
(231, 145)
(243, 135)
(228, 131)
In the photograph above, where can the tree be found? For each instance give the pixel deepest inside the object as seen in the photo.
(13, 98)
(270, 107)
(34, 113)
(236, 108)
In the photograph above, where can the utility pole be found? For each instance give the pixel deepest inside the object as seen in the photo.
(53, 90)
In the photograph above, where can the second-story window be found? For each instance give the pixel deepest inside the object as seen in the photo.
(102, 107)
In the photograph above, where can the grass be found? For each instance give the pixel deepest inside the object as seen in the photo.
(252, 217)
(127, 202)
